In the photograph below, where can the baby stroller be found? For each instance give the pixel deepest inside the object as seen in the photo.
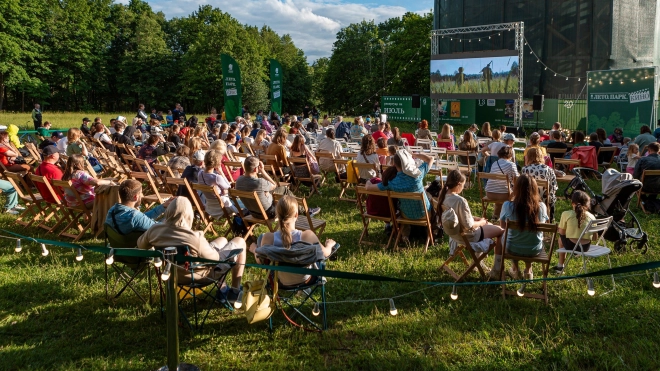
(618, 191)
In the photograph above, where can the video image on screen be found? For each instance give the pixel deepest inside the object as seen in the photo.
(495, 76)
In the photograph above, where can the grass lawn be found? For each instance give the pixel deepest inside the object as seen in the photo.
(54, 315)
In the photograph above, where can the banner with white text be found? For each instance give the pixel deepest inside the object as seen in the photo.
(231, 79)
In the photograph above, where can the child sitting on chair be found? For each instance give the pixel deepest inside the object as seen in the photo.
(571, 225)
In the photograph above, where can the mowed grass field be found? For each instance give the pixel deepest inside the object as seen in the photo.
(60, 120)
(54, 315)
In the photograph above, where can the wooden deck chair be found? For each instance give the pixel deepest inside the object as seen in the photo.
(254, 219)
(567, 163)
(141, 165)
(544, 189)
(543, 258)
(128, 269)
(211, 192)
(482, 193)
(231, 165)
(475, 263)
(34, 152)
(33, 201)
(203, 222)
(270, 169)
(326, 157)
(645, 174)
(609, 153)
(153, 196)
(345, 185)
(240, 156)
(314, 180)
(52, 209)
(306, 222)
(278, 172)
(81, 211)
(402, 220)
(163, 172)
(555, 153)
(349, 155)
(128, 160)
(362, 194)
(359, 168)
(247, 149)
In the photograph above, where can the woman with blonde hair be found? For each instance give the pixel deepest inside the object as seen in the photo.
(287, 236)
(535, 142)
(176, 229)
(388, 130)
(195, 144)
(446, 140)
(201, 133)
(485, 130)
(230, 172)
(260, 143)
(74, 144)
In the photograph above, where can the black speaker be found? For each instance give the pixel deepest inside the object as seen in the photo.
(415, 101)
(538, 102)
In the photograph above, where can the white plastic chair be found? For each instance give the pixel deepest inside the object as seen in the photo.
(595, 250)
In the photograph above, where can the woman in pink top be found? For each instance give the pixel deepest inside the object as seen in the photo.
(446, 140)
(81, 181)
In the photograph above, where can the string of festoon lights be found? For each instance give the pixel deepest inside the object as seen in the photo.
(157, 262)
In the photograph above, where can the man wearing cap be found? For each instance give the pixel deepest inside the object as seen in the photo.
(49, 170)
(55, 137)
(84, 127)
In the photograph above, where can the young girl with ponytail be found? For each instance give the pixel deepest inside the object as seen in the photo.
(287, 213)
(571, 225)
(475, 228)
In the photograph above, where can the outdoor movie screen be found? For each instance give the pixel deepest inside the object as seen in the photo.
(491, 74)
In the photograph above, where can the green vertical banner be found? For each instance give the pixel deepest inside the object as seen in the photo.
(275, 86)
(231, 78)
(621, 99)
(426, 108)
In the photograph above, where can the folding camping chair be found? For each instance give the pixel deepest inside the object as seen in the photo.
(128, 269)
(465, 245)
(362, 195)
(402, 220)
(80, 211)
(543, 258)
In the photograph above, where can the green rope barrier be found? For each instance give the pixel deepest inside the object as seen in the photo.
(338, 274)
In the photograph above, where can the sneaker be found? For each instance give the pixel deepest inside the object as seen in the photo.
(557, 270)
(11, 211)
(314, 211)
(227, 294)
(232, 295)
(19, 208)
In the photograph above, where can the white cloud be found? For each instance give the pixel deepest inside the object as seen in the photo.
(312, 24)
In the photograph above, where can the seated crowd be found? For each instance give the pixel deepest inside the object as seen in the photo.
(254, 156)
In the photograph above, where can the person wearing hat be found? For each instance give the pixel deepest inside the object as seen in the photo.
(84, 127)
(55, 137)
(509, 139)
(50, 171)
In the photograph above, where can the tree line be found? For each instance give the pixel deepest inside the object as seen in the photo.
(97, 55)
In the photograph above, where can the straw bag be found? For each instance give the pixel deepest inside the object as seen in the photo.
(258, 305)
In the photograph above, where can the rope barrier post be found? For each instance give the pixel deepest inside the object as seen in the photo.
(172, 305)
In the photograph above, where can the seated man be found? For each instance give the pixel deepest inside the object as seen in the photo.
(55, 137)
(49, 169)
(650, 162)
(399, 179)
(264, 186)
(124, 217)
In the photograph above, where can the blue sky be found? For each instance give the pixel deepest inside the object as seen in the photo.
(312, 24)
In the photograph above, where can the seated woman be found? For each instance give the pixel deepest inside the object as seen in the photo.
(287, 214)
(260, 143)
(387, 130)
(489, 152)
(8, 155)
(74, 144)
(423, 132)
(468, 143)
(211, 175)
(496, 190)
(81, 181)
(300, 149)
(278, 149)
(535, 142)
(103, 135)
(538, 170)
(571, 225)
(485, 131)
(149, 151)
(176, 229)
(446, 140)
(230, 139)
(368, 155)
(230, 172)
(381, 150)
(174, 137)
(395, 139)
(476, 229)
(528, 210)
(180, 161)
